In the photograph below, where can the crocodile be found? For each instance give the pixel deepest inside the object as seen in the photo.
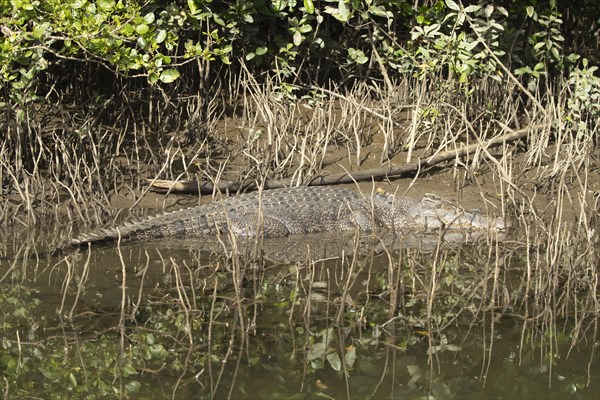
(284, 212)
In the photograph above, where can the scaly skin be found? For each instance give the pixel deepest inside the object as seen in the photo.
(283, 212)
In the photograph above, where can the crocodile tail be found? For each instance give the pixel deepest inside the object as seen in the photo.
(126, 232)
(105, 235)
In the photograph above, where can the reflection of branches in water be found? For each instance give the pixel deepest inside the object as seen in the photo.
(201, 319)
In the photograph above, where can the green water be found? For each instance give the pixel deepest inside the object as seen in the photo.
(163, 321)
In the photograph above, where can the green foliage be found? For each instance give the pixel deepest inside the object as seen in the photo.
(455, 44)
(585, 86)
(56, 366)
(155, 39)
(123, 35)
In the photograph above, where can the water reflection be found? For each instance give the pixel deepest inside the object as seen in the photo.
(288, 318)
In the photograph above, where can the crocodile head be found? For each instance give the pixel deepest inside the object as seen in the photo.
(433, 213)
(437, 213)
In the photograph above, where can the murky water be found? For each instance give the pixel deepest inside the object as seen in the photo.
(179, 320)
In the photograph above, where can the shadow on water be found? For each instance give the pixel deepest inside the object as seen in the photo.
(216, 318)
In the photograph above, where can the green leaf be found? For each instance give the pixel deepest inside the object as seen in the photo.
(219, 20)
(316, 351)
(309, 6)
(522, 71)
(225, 59)
(297, 38)
(453, 347)
(343, 14)
(161, 36)
(350, 357)
(106, 5)
(40, 29)
(169, 75)
(76, 4)
(127, 29)
(305, 28)
(472, 9)
(9, 362)
(133, 386)
(150, 339)
(128, 370)
(451, 4)
(357, 55)
(278, 5)
(142, 29)
(380, 11)
(261, 51)
(152, 78)
(334, 361)
(497, 26)
(149, 18)
(489, 9)
(192, 6)
(72, 379)
(158, 350)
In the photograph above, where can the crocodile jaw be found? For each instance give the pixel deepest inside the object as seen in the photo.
(435, 213)
(431, 214)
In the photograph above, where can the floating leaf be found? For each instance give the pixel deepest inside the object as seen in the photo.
(327, 335)
(133, 386)
(158, 350)
(334, 361)
(128, 370)
(454, 348)
(150, 338)
(72, 379)
(316, 351)
(350, 356)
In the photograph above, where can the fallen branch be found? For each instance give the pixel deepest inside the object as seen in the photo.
(345, 177)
